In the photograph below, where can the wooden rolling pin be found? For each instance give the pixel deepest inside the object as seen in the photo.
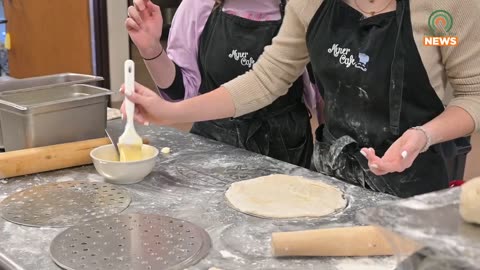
(344, 242)
(49, 158)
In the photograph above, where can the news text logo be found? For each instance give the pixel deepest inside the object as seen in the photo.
(440, 24)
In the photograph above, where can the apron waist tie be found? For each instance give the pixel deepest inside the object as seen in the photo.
(260, 122)
(338, 147)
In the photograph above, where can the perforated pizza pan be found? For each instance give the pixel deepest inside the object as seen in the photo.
(134, 241)
(64, 204)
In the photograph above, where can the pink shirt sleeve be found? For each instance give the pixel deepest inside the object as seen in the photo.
(187, 26)
(312, 97)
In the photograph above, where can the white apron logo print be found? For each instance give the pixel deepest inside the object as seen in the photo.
(242, 57)
(347, 59)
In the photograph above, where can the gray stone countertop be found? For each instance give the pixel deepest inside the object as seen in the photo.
(189, 183)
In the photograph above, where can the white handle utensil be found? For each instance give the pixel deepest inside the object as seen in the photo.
(130, 143)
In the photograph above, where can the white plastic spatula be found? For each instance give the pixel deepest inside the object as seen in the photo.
(130, 143)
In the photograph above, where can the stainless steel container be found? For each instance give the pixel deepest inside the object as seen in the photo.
(52, 115)
(40, 82)
(3, 80)
(47, 81)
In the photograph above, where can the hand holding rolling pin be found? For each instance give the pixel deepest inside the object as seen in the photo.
(144, 25)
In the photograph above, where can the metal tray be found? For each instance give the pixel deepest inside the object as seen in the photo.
(49, 81)
(52, 115)
(48, 98)
(62, 79)
(4, 79)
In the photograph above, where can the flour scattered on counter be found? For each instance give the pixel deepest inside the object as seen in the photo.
(228, 255)
(13, 234)
(415, 204)
(65, 179)
(365, 264)
(95, 178)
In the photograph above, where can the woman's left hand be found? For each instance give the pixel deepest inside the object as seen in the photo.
(400, 156)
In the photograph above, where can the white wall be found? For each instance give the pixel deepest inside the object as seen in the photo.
(118, 42)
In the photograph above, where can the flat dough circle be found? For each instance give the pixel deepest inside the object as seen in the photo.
(284, 196)
(469, 201)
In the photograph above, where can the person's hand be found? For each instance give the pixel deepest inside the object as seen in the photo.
(149, 106)
(399, 156)
(144, 25)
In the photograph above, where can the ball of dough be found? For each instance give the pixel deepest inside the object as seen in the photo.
(470, 201)
(165, 150)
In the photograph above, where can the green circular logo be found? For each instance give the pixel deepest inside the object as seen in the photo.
(440, 22)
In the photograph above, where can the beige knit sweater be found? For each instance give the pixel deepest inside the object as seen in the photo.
(285, 59)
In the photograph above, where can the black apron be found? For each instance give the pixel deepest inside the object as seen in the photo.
(228, 47)
(375, 87)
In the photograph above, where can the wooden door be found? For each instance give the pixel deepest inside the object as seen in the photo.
(49, 37)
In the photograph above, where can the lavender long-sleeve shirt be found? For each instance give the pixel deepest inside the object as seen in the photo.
(187, 27)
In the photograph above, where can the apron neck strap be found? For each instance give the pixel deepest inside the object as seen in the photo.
(397, 73)
(218, 5)
(283, 4)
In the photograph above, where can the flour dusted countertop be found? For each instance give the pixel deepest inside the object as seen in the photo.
(189, 183)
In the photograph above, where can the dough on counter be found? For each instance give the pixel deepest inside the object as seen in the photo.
(284, 196)
(470, 201)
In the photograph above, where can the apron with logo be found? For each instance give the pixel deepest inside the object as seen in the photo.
(375, 87)
(229, 46)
